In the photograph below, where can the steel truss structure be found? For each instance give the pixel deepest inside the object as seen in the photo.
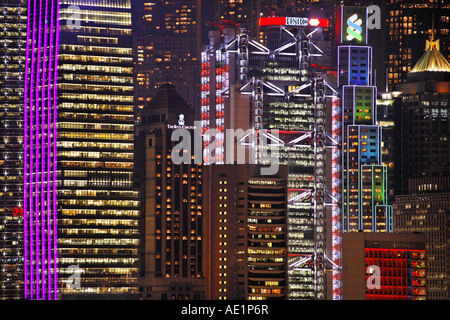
(322, 143)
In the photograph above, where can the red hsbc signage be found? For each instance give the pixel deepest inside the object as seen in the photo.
(293, 22)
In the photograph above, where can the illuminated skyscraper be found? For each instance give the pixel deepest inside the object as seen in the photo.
(80, 209)
(276, 92)
(426, 209)
(237, 10)
(409, 23)
(172, 220)
(167, 44)
(424, 125)
(364, 177)
(246, 233)
(244, 12)
(422, 203)
(13, 21)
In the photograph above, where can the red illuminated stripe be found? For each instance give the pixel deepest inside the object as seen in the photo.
(288, 132)
(272, 21)
(393, 250)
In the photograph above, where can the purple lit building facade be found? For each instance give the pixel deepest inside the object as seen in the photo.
(80, 209)
(40, 206)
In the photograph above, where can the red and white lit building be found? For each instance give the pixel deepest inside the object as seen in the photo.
(277, 92)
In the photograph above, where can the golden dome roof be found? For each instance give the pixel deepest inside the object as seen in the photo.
(432, 60)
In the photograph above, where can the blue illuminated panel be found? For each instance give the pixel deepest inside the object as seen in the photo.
(354, 65)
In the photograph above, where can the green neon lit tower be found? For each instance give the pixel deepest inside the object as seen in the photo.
(364, 177)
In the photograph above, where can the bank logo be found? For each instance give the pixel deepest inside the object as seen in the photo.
(354, 28)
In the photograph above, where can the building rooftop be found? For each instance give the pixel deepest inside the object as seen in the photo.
(167, 97)
(432, 60)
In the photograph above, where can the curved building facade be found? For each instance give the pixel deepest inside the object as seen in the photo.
(81, 212)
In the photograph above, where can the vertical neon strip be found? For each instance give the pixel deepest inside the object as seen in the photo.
(338, 80)
(218, 109)
(341, 22)
(55, 121)
(343, 161)
(221, 83)
(31, 131)
(359, 174)
(348, 68)
(49, 152)
(44, 164)
(374, 214)
(205, 101)
(347, 204)
(25, 175)
(38, 156)
(336, 189)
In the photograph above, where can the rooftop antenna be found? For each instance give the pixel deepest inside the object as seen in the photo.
(430, 44)
(432, 27)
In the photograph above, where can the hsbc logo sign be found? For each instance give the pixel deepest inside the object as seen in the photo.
(294, 22)
(297, 22)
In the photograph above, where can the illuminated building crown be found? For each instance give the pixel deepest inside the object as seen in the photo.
(432, 60)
